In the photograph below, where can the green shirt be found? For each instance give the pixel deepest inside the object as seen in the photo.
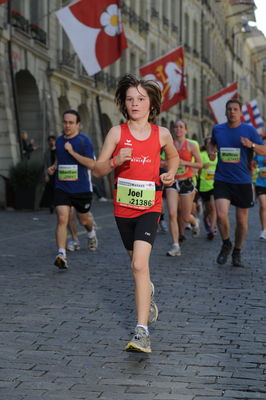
(207, 174)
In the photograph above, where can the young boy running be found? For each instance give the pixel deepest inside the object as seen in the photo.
(133, 151)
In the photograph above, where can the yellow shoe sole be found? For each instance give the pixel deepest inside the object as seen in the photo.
(134, 347)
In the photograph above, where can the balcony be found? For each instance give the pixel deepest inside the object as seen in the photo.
(143, 26)
(134, 19)
(68, 59)
(174, 28)
(108, 81)
(19, 21)
(37, 33)
(187, 47)
(33, 30)
(195, 53)
(154, 13)
(165, 22)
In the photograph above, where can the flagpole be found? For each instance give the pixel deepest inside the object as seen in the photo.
(11, 70)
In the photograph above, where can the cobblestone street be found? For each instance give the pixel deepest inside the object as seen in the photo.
(62, 333)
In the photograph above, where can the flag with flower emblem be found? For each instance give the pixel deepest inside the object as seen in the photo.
(94, 28)
(168, 72)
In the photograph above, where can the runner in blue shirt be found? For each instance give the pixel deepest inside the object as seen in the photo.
(235, 143)
(73, 187)
(260, 187)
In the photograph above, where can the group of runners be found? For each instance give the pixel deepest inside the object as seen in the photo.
(133, 151)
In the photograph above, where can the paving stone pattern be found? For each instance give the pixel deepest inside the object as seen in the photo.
(62, 333)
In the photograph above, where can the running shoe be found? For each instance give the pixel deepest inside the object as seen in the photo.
(61, 261)
(182, 238)
(236, 259)
(263, 235)
(188, 226)
(207, 225)
(92, 243)
(210, 235)
(153, 314)
(196, 228)
(140, 341)
(174, 250)
(224, 253)
(73, 245)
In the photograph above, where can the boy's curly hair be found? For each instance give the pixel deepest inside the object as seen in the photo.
(151, 87)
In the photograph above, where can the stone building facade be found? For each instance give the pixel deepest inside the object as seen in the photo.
(40, 75)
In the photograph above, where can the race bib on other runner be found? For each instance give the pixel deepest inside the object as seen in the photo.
(181, 170)
(68, 172)
(230, 154)
(262, 172)
(135, 194)
(209, 174)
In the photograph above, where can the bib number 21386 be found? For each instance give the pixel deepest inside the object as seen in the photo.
(135, 194)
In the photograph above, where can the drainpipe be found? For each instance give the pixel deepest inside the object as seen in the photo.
(180, 41)
(13, 83)
(201, 73)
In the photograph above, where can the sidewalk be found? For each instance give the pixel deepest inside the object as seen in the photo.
(62, 333)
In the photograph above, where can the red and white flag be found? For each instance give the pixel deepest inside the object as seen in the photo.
(252, 116)
(94, 28)
(168, 71)
(216, 103)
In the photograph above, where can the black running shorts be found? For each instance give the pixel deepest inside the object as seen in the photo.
(185, 186)
(240, 195)
(206, 196)
(80, 201)
(142, 228)
(260, 190)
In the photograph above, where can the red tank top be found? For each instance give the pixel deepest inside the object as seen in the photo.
(143, 166)
(185, 154)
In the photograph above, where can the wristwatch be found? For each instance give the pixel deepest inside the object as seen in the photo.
(253, 145)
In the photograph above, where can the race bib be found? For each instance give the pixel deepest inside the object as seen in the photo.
(262, 172)
(181, 170)
(68, 172)
(230, 154)
(209, 174)
(135, 194)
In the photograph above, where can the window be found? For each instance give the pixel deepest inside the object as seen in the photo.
(18, 5)
(195, 93)
(195, 35)
(153, 51)
(123, 64)
(38, 13)
(132, 65)
(186, 29)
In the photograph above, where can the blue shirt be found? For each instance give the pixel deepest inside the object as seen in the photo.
(233, 157)
(71, 176)
(261, 179)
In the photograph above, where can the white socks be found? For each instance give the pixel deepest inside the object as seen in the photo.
(62, 251)
(144, 327)
(91, 234)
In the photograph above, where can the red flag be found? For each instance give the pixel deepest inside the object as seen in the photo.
(94, 28)
(3, 1)
(168, 71)
(216, 103)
